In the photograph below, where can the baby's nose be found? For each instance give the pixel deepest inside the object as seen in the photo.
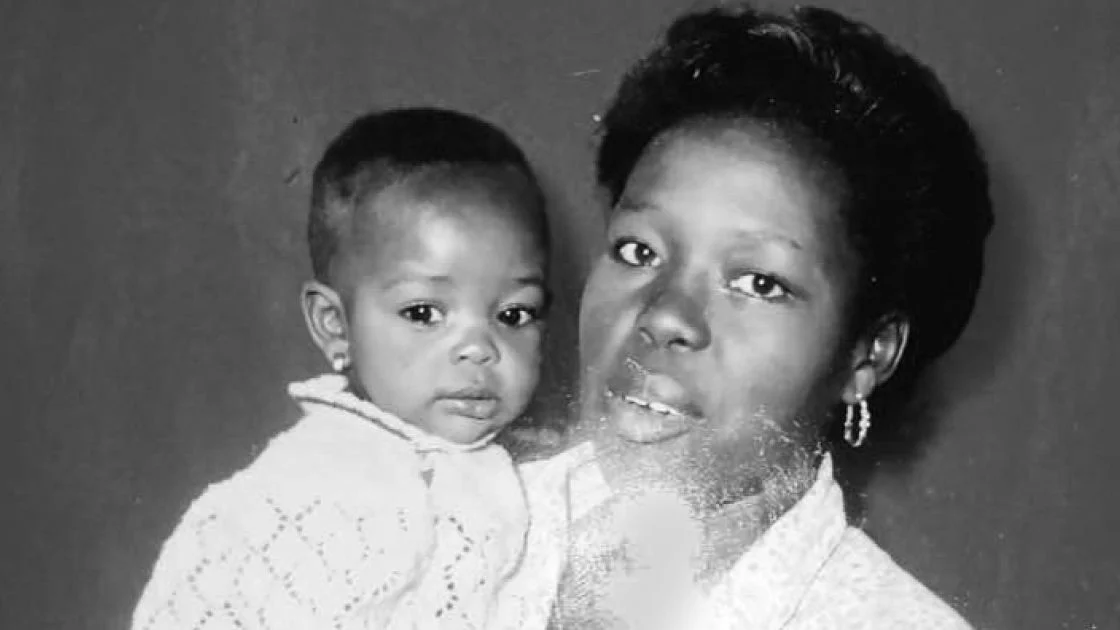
(478, 347)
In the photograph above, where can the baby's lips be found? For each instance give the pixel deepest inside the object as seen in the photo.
(468, 392)
(478, 408)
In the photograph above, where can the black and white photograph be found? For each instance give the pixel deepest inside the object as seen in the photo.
(560, 315)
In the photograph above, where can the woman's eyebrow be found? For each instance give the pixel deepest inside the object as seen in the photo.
(766, 237)
(530, 280)
(753, 235)
(626, 205)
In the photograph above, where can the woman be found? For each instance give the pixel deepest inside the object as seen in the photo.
(797, 224)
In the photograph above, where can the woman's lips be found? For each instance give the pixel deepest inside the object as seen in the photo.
(645, 421)
(648, 406)
(653, 405)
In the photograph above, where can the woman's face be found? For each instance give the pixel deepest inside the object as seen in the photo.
(713, 328)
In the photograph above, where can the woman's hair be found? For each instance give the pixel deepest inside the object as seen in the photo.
(382, 148)
(917, 206)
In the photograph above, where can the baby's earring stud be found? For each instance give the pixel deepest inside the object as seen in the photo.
(340, 362)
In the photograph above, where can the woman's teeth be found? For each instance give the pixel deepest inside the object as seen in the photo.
(653, 406)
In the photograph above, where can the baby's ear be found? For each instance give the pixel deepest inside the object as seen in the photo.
(877, 356)
(325, 317)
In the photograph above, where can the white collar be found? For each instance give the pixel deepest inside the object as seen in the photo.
(765, 586)
(331, 390)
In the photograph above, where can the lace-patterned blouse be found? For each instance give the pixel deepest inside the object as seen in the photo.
(809, 571)
(350, 519)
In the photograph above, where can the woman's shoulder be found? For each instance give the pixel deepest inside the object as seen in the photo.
(862, 586)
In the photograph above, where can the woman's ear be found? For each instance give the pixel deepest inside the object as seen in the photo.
(325, 317)
(877, 356)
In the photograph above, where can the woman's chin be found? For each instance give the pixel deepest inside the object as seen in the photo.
(644, 432)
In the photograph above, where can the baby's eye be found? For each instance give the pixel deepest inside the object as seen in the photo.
(518, 316)
(635, 253)
(760, 286)
(424, 314)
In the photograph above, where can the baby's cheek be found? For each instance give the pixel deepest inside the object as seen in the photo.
(522, 366)
(525, 345)
(392, 355)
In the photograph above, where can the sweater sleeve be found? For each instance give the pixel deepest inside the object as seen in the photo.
(246, 558)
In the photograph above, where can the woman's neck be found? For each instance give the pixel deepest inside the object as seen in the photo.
(731, 529)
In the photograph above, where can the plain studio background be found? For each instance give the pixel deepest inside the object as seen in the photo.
(154, 166)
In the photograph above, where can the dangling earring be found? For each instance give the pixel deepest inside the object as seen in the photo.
(340, 362)
(864, 423)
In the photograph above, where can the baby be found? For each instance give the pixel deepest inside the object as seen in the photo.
(387, 505)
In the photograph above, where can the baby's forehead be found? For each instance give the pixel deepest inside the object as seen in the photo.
(492, 210)
(495, 180)
(462, 193)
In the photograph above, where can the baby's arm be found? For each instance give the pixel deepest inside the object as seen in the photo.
(245, 559)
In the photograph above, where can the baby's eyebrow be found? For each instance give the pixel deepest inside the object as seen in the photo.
(417, 278)
(533, 279)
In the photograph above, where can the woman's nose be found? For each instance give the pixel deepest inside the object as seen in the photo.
(476, 346)
(675, 319)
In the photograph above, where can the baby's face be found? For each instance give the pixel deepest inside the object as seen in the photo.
(445, 292)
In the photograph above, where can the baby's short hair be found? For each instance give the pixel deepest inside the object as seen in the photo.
(382, 148)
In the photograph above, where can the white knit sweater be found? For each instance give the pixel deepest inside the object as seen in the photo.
(350, 519)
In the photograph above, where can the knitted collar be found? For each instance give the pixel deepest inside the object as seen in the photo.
(331, 390)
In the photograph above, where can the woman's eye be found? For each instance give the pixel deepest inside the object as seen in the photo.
(635, 254)
(518, 316)
(425, 314)
(761, 286)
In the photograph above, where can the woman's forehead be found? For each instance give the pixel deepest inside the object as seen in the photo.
(734, 179)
